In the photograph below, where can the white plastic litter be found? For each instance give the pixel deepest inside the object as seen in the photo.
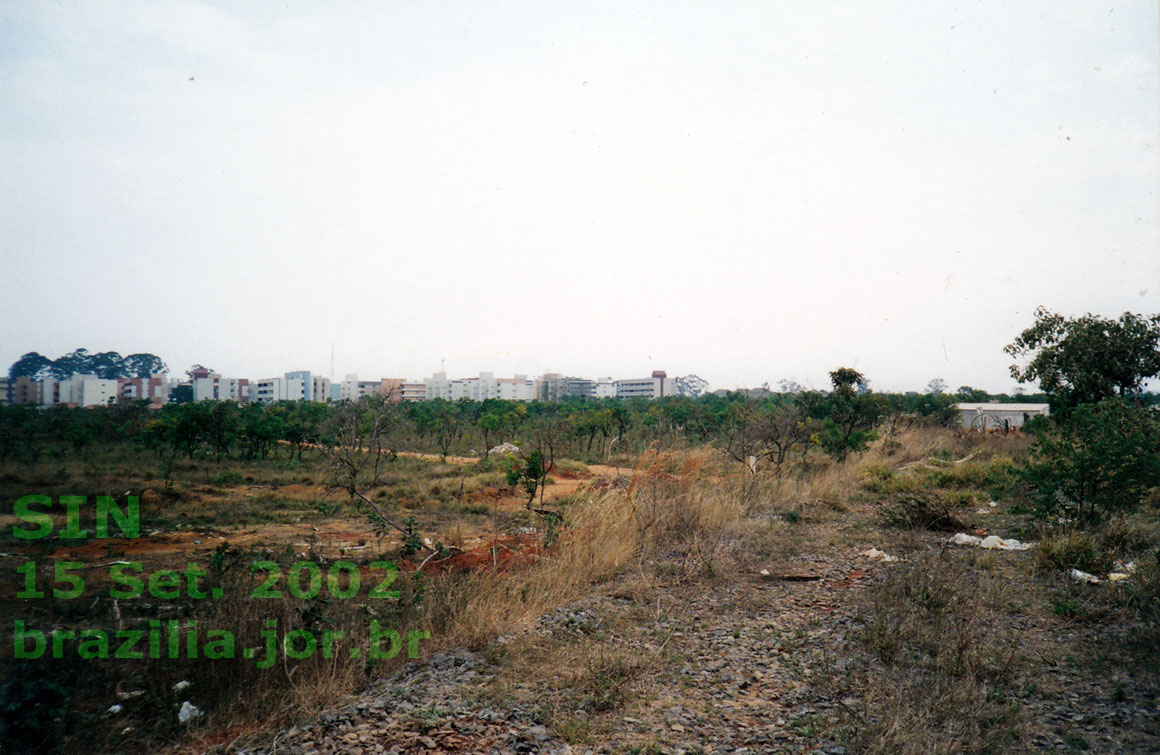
(991, 542)
(114, 709)
(182, 685)
(878, 555)
(188, 712)
(505, 448)
(1082, 576)
(994, 541)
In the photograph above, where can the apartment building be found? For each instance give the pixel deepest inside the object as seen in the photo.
(657, 386)
(518, 388)
(154, 389)
(79, 390)
(268, 390)
(353, 389)
(413, 391)
(303, 385)
(24, 390)
(555, 387)
(210, 386)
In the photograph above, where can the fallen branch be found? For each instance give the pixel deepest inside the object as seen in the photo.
(926, 463)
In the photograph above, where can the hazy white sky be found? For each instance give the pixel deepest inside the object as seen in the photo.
(747, 191)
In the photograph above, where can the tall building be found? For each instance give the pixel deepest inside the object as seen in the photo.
(657, 386)
(353, 389)
(210, 386)
(268, 390)
(25, 390)
(79, 390)
(413, 391)
(154, 389)
(305, 386)
(555, 387)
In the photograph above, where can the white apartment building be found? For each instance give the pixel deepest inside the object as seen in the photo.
(413, 391)
(605, 388)
(79, 390)
(268, 390)
(481, 388)
(657, 386)
(438, 386)
(350, 388)
(305, 386)
(518, 388)
(214, 387)
(353, 389)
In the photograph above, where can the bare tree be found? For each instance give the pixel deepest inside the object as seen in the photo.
(755, 433)
(357, 440)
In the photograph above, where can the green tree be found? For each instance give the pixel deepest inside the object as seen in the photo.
(31, 364)
(850, 414)
(1102, 459)
(489, 424)
(1085, 359)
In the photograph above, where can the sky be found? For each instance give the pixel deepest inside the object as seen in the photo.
(748, 191)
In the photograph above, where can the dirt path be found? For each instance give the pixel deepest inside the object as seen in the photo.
(682, 663)
(711, 667)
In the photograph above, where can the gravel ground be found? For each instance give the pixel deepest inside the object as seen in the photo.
(729, 664)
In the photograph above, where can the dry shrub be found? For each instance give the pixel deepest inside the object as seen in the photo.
(673, 506)
(603, 676)
(921, 511)
(1074, 549)
(599, 540)
(1131, 534)
(939, 674)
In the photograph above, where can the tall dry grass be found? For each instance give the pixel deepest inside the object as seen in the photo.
(672, 500)
(669, 500)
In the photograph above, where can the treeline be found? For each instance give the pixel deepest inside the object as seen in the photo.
(769, 428)
(107, 365)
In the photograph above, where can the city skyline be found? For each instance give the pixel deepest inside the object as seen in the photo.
(751, 193)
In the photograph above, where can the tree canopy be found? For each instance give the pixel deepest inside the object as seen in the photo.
(105, 364)
(1085, 359)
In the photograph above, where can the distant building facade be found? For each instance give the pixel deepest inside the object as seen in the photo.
(79, 390)
(657, 386)
(213, 387)
(556, 387)
(154, 389)
(997, 416)
(24, 390)
(413, 391)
